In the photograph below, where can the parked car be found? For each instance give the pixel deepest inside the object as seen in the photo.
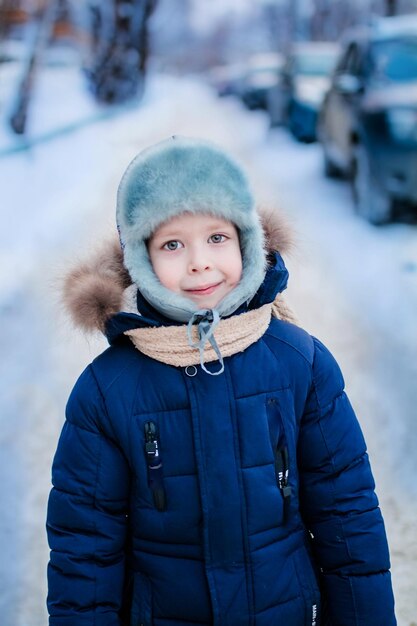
(298, 94)
(226, 80)
(262, 72)
(368, 122)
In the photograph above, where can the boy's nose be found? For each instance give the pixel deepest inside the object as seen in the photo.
(199, 266)
(198, 263)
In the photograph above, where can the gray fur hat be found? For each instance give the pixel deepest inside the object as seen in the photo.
(184, 175)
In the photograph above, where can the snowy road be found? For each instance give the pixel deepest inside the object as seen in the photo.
(352, 285)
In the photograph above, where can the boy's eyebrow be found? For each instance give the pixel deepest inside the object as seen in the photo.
(219, 225)
(179, 233)
(166, 233)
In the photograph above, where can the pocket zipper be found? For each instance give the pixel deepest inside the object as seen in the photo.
(314, 615)
(154, 462)
(282, 471)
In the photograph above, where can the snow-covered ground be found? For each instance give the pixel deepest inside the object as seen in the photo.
(353, 285)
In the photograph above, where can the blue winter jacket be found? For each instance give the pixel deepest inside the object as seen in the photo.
(239, 499)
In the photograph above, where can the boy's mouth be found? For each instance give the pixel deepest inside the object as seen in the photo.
(203, 291)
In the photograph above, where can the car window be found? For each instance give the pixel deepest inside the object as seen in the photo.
(394, 60)
(315, 64)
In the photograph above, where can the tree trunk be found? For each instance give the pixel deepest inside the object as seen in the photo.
(119, 48)
(42, 33)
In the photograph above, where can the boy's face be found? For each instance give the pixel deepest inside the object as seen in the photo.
(197, 256)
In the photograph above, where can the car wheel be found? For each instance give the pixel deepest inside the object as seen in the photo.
(371, 201)
(330, 169)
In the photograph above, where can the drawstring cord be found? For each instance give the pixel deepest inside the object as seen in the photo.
(207, 321)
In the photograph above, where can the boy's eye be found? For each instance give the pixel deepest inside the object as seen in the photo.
(172, 245)
(217, 238)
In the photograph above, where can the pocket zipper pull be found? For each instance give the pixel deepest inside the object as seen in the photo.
(151, 442)
(282, 472)
(154, 461)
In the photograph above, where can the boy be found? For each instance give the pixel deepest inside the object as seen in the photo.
(211, 469)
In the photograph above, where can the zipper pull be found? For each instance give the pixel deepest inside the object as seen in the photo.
(282, 473)
(155, 475)
(151, 443)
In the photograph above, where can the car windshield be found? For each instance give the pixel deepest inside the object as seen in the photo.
(314, 63)
(394, 60)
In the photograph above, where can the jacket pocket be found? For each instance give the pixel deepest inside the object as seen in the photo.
(309, 587)
(154, 464)
(141, 611)
(281, 452)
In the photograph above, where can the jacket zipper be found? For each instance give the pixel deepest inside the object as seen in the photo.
(314, 615)
(282, 471)
(154, 462)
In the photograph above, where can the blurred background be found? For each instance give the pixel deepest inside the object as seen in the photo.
(318, 100)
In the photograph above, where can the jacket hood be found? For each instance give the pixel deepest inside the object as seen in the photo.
(99, 295)
(186, 175)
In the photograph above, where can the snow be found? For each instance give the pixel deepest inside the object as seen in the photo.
(352, 285)
(205, 16)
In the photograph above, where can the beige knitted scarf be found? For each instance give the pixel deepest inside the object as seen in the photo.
(170, 344)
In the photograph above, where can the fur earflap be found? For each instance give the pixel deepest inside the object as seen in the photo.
(94, 290)
(278, 234)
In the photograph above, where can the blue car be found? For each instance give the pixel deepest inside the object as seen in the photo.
(297, 97)
(368, 122)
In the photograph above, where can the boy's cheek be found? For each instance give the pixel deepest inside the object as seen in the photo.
(167, 274)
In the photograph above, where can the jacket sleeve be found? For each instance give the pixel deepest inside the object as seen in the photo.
(339, 504)
(87, 516)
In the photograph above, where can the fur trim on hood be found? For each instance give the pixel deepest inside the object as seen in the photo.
(94, 290)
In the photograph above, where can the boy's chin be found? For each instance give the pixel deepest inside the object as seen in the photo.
(206, 303)
(210, 301)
